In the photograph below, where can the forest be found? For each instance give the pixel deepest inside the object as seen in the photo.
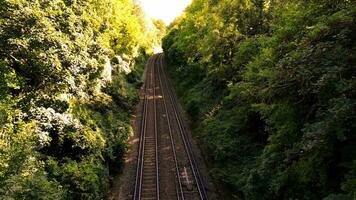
(69, 73)
(270, 87)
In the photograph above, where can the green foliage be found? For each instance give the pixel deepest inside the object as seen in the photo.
(22, 175)
(67, 87)
(271, 86)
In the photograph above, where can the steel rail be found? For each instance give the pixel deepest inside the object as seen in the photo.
(142, 130)
(187, 146)
(141, 150)
(156, 132)
(181, 195)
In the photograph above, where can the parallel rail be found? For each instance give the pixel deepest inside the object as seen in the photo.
(180, 193)
(147, 172)
(183, 133)
(147, 183)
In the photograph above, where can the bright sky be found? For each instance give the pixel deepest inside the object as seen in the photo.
(167, 10)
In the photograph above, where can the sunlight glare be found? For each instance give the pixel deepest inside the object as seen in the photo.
(167, 10)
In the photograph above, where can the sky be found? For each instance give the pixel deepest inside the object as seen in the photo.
(167, 10)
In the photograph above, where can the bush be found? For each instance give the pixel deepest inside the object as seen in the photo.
(275, 94)
(64, 103)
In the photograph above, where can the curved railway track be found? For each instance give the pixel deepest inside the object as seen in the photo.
(159, 96)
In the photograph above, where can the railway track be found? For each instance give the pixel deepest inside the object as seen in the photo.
(193, 168)
(147, 171)
(187, 180)
(179, 185)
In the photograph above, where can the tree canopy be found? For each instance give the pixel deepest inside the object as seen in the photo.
(271, 86)
(67, 85)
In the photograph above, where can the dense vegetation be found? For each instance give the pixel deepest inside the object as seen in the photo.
(66, 93)
(272, 87)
